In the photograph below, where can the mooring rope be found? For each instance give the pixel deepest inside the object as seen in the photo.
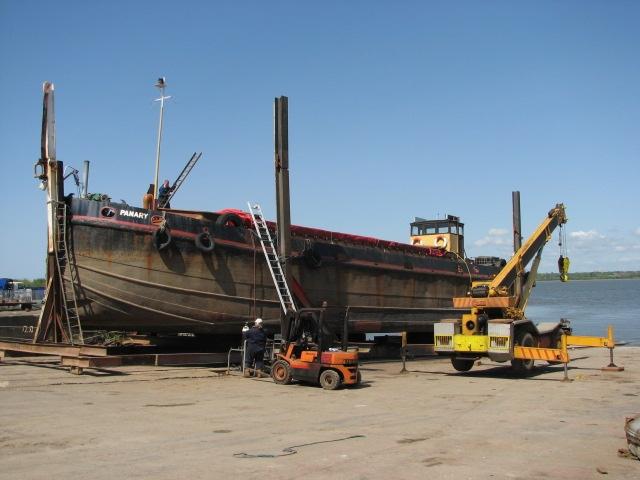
(291, 450)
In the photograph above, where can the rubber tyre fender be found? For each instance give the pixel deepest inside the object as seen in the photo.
(281, 372)
(204, 242)
(330, 380)
(525, 339)
(462, 364)
(229, 218)
(161, 239)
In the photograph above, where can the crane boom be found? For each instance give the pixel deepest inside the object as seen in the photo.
(483, 293)
(528, 250)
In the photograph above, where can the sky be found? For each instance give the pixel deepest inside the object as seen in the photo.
(396, 110)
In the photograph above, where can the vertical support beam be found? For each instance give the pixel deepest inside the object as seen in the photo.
(85, 179)
(345, 331)
(517, 239)
(51, 314)
(49, 163)
(403, 353)
(563, 348)
(281, 143)
(52, 171)
(611, 343)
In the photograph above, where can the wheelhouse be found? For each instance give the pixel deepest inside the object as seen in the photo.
(446, 233)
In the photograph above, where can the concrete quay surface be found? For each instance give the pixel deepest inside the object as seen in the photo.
(184, 422)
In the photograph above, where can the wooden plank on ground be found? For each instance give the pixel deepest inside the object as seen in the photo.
(91, 362)
(54, 349)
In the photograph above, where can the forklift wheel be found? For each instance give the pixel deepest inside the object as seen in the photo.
(330, 379)
(462, 364)
(281, 372)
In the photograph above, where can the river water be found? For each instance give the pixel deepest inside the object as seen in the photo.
(591, 305)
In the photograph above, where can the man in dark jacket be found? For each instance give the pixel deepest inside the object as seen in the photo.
(256, 339)
(163, 193)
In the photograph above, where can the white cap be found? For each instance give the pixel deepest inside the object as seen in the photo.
(258, 321)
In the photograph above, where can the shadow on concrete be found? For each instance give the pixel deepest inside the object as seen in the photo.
(93, 372)
(502, 372)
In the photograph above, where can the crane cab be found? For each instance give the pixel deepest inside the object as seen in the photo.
(446, 233)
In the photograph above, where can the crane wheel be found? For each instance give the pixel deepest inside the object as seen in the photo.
(330, 380)
(462, 364)
(524, 339)
(281, 372)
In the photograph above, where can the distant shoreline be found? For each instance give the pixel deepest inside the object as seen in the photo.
(542, 277)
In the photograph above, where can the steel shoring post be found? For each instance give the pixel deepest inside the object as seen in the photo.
(611, 364)
(404, 353)
(612, 367)
(611, 344)
(566, 358)
(244, 354)
(345, 331)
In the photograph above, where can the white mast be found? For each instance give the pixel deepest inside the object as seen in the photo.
(161, 84)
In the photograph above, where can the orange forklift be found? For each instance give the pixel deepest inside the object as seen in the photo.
(309, 354)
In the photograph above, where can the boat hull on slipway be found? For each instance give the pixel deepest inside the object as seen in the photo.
(144, 270)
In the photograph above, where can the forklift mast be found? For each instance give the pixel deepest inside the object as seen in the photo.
(316, 325)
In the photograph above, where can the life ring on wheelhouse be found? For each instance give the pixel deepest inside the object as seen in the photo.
(440, 242)
(205, 242)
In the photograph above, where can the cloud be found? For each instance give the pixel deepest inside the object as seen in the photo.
(588, 249)
(495, 236)
(589, 235)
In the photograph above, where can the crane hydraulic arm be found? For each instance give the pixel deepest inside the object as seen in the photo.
(497, 293)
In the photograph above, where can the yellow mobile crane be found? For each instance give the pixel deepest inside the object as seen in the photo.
(497, 323)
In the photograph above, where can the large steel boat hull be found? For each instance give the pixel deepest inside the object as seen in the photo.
(125, 283)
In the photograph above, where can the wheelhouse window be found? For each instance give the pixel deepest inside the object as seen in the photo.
(450, 225)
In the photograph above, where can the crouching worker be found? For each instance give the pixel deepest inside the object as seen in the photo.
(256, 343)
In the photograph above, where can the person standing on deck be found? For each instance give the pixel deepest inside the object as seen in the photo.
(256, 339)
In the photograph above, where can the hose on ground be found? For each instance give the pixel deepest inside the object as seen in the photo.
(291, 450)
